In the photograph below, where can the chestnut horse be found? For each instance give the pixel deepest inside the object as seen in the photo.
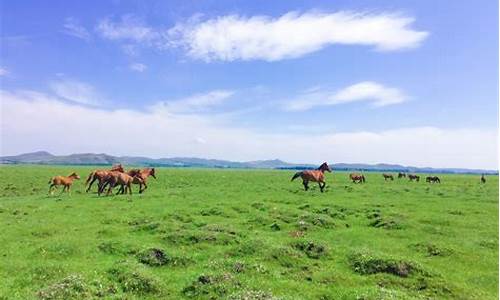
(357, 178)
(114, 178)
(388, 176)
(142, 174)
(317, 175)
(432, 179)
(99, 176)
(413, 176)
(62, 180)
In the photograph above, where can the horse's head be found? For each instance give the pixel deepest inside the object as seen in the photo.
(118, 168)
(152, 172)
(324, 167)
(74, 175)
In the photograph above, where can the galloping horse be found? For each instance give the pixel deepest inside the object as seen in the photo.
(388, 176)
(432, 179)
(143, 175)
(413, 176)
(114, 178)
(357, 178)
(483, 180)
(62, 180)
(99, 176)
(317, 175)
(401, 175)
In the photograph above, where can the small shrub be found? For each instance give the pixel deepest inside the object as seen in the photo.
(365, 264)
(133, 281)
(311, 249)
(71, 287)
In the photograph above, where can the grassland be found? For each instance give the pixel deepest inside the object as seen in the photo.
(248, 234)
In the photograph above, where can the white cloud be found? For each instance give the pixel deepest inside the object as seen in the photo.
(138, 67)
(64, 128)
(75, 91)
(194, 103)
(72, 27)
(376, 93)
(130, 28)
(3, 71)
(292, 35)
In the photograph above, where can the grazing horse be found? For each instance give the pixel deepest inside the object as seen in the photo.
(114, 178)
(483, 180)
(401, 175)
(317, 175)
(414, 177)
(143, 175)
(62, 180)
(432, 179)
(357, 178)
(100, 174)
(388, 176)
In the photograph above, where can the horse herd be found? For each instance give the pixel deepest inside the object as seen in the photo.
(117, 176)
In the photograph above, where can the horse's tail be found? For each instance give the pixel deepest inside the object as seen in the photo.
(90, 177)
(363, 178)
(298, 174)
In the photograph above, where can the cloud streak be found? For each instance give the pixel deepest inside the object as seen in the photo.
(194, 103)
(234, 37)
(160, 134)
(75, 91)
(72, 27)
(367, 91)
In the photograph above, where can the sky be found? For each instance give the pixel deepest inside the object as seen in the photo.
(407, 82)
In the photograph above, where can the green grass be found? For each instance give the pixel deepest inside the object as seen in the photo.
(248, 234)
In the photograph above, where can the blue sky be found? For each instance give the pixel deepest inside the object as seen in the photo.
(413, 82)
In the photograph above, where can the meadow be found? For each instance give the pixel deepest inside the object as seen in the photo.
(248, 234)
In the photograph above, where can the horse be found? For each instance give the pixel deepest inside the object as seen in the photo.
(62, 180)
(357, 178)
(317, 175)
(483, 180)
(401, 175)
(414, 177)
(99, 176)
(432, 179)
(143, 174)
(388, 176)
(114, 178)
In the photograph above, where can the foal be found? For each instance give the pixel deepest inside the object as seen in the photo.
(62, 180)
(114, 178)
(317, 175)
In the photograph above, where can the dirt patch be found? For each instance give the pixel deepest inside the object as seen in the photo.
(311, 249)
(366, 264)
(153, 257)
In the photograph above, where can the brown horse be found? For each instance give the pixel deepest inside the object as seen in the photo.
(99, 176)
(401, 175)
(114, 178)
(388, 176)
(62, 180)
(483, 180)
(317, 175)
(142, 174)
(432, 179)
(357, 178)
(414, 177)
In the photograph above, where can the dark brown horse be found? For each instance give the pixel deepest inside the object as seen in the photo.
(414, 177)
(357, 178)
(142, 178)
(317, 175)
(62, 180)
(432, 179)
(388, 176)
(401, 175)
(483, 180)
(100, 174)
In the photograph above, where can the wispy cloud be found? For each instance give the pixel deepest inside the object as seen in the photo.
(129, 28)
(367, 91)
(3, 71)
(75, 91)
(138, 67)
(194, 103)
(292, 35)
(72, 27)
(202, 136)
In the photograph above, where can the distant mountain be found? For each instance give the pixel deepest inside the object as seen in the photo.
(43, 157)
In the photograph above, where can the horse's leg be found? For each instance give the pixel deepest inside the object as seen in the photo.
(142, 189)
(90, 184)
(320, 186)
(306, 187)
(129, 188)
(50, 188)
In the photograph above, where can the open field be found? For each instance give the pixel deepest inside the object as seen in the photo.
(248, 234)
